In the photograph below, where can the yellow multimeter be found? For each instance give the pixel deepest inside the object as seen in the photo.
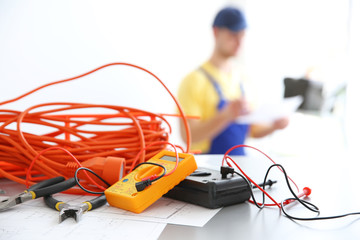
(124, 195)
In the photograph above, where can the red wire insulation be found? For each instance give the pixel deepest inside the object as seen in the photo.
(226, 157)
(260, 188)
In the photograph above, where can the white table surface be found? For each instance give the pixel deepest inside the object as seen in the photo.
(333, 179)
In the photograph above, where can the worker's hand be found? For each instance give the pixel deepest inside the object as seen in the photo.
(236, 108)
(281, 123)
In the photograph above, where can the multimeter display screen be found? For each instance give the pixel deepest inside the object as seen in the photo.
(171, 158)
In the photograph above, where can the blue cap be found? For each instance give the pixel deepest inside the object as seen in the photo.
(230, 18)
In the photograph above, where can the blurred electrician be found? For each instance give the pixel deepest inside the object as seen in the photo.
(210, 93)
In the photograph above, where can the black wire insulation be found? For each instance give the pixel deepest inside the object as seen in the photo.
(310, 206)
(155, 164)
(91, 171)
(104, 181)
(251, 192)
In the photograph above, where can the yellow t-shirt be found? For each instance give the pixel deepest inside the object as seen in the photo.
(198, 96)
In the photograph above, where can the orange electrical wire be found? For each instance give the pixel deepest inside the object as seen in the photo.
(187, 129)
(131, 131)
(28, 173)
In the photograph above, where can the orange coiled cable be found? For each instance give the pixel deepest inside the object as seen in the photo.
(83, 135)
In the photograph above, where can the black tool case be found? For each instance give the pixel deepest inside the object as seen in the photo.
(209, 190)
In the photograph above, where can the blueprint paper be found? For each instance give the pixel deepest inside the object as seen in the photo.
(166, 210)
(42, 223)
(34, 218)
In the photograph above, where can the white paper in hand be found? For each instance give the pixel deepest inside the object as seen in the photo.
(270, 112)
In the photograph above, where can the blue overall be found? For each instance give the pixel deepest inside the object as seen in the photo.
(233, 134)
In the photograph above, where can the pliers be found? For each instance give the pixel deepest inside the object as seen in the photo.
(41, 189)
(74, 211)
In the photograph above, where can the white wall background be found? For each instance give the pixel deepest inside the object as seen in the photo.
(353, 99)
(42, 41)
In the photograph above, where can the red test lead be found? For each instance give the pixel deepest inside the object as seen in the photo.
(306, 192)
